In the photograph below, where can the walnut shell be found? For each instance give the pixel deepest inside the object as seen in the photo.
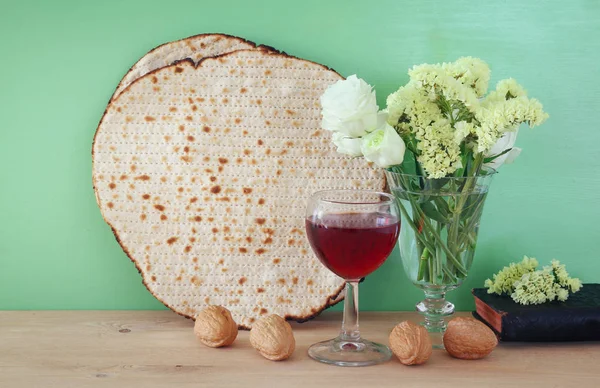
(410, 343)
(215, 327)
(469, 339)
(272, 336)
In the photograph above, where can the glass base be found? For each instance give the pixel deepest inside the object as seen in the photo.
(349, 353)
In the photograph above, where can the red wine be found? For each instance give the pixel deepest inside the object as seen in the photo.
(352, 245)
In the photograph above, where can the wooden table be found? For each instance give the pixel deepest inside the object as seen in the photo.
(158, 349)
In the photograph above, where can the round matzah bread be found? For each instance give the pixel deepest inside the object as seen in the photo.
(194, 47)
(204, 173)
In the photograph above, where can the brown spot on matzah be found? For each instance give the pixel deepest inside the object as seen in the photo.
(281, 281)
(237, 120)
(224, 269)
(154, 79)
(289, 143)
(173, 109)
(210, 219)
(172, 240)
(220, 169)
(260, 290)
(268, 240)
(195, 281)
(187, 249)
(163, 179)
(290, 112)
(212, 178)
(197, 218)
(142, 177)
(291, 241)
(189, 118)
(186, 149)
(225, 199)
(180, 189)
(278, 172)
(200, 99)
(181, 128)
(247, 190)
(215, 230)
(153, 278)
(110, 205)
(221, 261)
(178, 278)
(243, 90)
(193, 199)
(258, 101)
(112, 186)
(163, 217)
(191, 138)
(261, 201)
(242, 280)
(263, 311)
(207, 300)
(243, 250)
(206, 129)
(309, 282)
(280, 162)
(215, 189)
(227, 130)
(276, 261)
(260, 221)
(128, 119)
(149, 118)
(156, 88)
(194, 108)
(178, 69)
(225, 100)
(245, 133)
(249, 239)
(216, 289)
(268, 151)
(247, 152)
(142, 217)
(160, 208)
(223, 160)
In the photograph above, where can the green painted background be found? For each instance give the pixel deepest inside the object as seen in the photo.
(61, 60)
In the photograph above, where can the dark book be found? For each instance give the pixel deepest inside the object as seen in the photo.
(576, 319)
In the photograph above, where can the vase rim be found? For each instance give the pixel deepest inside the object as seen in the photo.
(485, 172)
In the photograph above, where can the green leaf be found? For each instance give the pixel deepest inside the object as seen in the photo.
(432, 212)
(491, 158)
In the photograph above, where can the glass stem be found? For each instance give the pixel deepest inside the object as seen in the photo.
(350, 330)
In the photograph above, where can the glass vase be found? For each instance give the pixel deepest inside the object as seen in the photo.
(440, 223)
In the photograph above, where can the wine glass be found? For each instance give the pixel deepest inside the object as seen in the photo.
(352, 232)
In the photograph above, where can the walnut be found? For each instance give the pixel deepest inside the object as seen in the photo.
(272, 336)
(215, 327)
(410, 343)
(469, 339)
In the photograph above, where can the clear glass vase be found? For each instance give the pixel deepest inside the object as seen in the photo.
(440, 222)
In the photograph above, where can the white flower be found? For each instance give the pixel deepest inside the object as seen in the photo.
(384, 147)
(347, 145)
(349, 106)
(505, 142)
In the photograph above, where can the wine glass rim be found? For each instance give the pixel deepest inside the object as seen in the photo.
(319, 195)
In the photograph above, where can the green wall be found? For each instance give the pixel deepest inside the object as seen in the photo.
(61, 61)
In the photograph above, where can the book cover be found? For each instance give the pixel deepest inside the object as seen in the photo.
(576, 319)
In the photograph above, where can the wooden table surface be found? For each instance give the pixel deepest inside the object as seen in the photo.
(158, 349)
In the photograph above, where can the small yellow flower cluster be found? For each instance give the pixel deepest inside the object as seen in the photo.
(504, 280)
(526, 285)
(443, 108)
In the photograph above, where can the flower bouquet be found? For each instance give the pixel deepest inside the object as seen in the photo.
(440, 140)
